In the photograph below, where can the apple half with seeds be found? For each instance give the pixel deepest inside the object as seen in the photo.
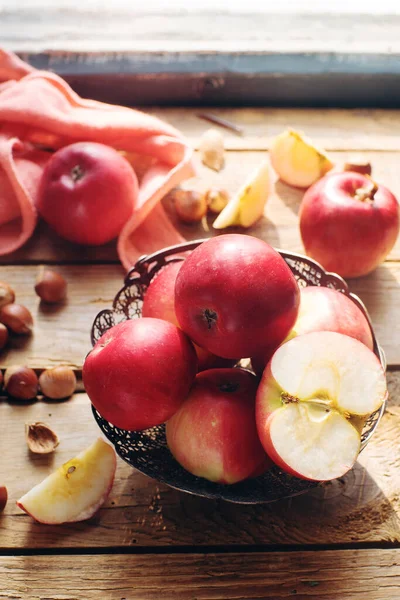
(76, 490)
(311, 389)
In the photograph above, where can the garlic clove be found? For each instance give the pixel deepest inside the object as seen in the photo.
(296, 160)
(41, 439)
(211, 149)
(51, 287)
(7, 294)
(247, 206)
(57, 383)
(3, 497)
(17, 318)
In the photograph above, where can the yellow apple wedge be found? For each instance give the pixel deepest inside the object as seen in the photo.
(76, 490)
(247, 205)
(296, 160)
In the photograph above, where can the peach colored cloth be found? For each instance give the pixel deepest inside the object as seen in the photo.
(38, 109)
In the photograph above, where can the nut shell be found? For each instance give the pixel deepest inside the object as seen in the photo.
(41, 439)
(51, 287)
(17, 318)
(7, 294)
(57, 383)
(21, 383)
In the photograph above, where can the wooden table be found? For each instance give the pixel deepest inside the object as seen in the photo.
(339, 541)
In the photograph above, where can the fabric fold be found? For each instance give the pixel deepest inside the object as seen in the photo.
(39, 110)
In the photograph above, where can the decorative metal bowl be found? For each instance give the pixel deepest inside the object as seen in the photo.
(147, 450)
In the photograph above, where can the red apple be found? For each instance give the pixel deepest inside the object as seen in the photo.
(213, 435)
(235, 296)
(325, 309)
(159, 303)
(87, 193)
(139, 373)
(348, 223)
(310, 392)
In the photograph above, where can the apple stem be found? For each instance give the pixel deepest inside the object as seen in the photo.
(77, 173)
(367, 193)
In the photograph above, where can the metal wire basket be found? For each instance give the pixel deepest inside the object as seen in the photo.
(147, 450)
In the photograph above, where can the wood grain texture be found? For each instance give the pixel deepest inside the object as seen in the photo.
(330, 575)
(279, 227)
(61, 333)
(363, 506)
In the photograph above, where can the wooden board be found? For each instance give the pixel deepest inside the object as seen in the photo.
(279, 227)
(61, 333)
(362, 507)
(330, 575)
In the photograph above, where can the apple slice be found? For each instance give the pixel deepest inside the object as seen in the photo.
(76, 490)
(311, 394)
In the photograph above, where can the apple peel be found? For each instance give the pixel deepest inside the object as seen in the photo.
(76, 490)
(247, 205)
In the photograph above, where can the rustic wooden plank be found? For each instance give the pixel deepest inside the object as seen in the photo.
(61, 333)
(279, 227)
(344, 574)
(330, 128)
(362, 507)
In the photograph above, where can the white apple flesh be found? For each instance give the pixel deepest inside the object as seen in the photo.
(310, 390)
(76, 490)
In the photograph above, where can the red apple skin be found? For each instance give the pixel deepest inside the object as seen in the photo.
(87, 193)
(3, 497)
(235, 296)
(159, 303)
(213, 435)
(139, 373)
(325, 309)
(346, 235)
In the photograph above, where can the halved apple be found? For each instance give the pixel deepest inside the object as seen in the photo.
(310, 392)
(76, 490)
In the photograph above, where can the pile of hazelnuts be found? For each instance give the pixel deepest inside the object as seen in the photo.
(21, 382)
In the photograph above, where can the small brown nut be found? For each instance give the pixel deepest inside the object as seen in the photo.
(3, 497)
(216, 200)
(57, 383)
(190, 206)
(51, 287)
(17, 318)
(358, 166)
(21, 383)
(3, 336)
(7, 294)
(41, 439)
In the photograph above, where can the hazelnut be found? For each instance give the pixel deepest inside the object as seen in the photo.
(190, 206)
(3, 497)
(7, 294)
(57, 383)
(3, 336)
(216, 200)
(51, 287)
(17, 318)
(21, 383)
(41, 439)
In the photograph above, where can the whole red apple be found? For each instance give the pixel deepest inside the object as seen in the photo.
(139, 373)
(235, 296)
(325, 309)
(348, 223)
(87, 193)
(213, 435)
(159, 303)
